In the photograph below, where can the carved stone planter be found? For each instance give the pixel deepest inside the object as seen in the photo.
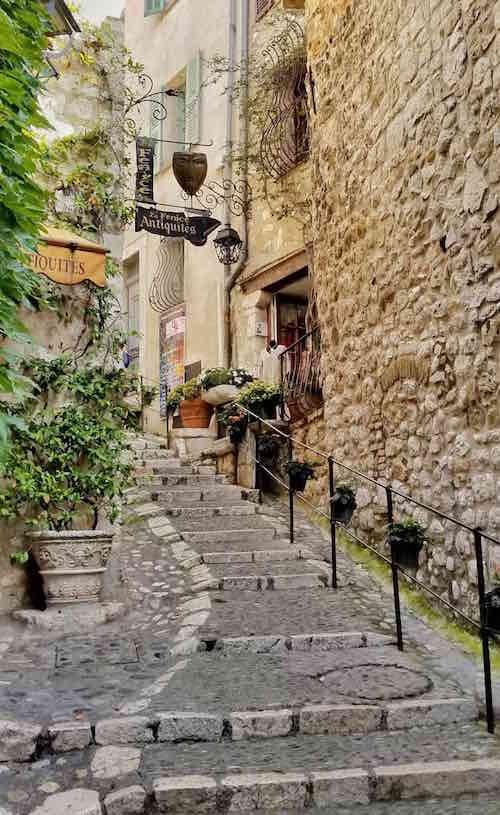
(220, 394)
(72, 564)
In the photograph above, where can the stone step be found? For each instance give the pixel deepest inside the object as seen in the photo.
(266, 567)
(241, 613)
(277, 581)
(257, 556)
(207, 509)
(224, 523)
(188, 479)
(214, 536)
(183, 496)
(299, 643)
(322, 770)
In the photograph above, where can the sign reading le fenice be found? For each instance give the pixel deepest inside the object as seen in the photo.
(175, 224)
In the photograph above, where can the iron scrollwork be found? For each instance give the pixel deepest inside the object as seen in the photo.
(149, 96)
(167, 288)
(214, 193)
(285, 135)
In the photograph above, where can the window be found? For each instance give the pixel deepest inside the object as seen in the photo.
(285, 135)
(262, 7)
(181, 126)
(132, 306)
(154, 6)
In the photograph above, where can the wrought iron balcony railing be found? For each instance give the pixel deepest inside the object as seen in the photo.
(301, 376)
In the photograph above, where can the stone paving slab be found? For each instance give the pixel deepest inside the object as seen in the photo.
(313, 753)
(241, 613)
(222, 682)
(295, 566)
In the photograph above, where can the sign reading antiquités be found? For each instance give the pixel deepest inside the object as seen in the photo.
(69, 259)
(175, 224)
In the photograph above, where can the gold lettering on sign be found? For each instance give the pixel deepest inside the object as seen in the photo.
(69, 267)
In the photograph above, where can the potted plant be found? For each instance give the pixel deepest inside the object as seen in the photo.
(235, 422)
(63, 471)
(194, 411)
(344, 503)
(268, 448)
(406, 540)
(260, 398)
(492, 608)
(299, 473)
(221, 385)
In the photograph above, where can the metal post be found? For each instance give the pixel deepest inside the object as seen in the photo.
(290, 493)
(141, 386)
(395, 573)
(485, 638)
(333, 525)
(282, 399)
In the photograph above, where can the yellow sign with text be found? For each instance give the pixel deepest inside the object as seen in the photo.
(69, 259)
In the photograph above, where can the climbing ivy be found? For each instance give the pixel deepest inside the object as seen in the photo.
(23, 27)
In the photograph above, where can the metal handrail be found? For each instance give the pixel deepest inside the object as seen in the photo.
(484, 631)
(300, 339)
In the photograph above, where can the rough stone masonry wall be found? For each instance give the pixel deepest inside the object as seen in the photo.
(406, 172)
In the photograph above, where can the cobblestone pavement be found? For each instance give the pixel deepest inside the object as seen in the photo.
(236, 678)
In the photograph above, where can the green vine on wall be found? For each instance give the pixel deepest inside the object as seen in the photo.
(23, 26)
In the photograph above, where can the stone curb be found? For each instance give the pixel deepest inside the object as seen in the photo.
(280, 582)
(21, 741)
(300, 642)
(258, 556)
(297, 791)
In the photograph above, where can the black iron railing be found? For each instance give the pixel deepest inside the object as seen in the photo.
(390, 493)
(300, 376)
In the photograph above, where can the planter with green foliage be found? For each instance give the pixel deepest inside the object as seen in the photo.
(268, 448)
(344, 503)
(299, 474)
(260, 398)
(66, 472)
(195, 413)
(406, 540)
(222, 385)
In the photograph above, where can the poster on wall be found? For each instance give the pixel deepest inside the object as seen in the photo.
(172, 332)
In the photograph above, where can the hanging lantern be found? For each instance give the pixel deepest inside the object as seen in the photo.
(228, 245)
(190, 170)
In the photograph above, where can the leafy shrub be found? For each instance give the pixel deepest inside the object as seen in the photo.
(259, 394)
(187, 392)
(213, 377)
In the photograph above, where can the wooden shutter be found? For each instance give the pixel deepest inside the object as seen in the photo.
(156, 132)
(261, 7)
(193, 91)
(153, 7)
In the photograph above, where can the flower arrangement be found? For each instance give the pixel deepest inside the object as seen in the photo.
(260, 398)
(182, 393)
(344, 503)
(406, 538)
(213, 377)
(299, 473)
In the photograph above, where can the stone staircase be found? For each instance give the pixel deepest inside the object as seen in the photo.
(297, 698)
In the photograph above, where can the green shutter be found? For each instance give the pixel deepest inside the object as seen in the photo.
(156, 132)
(180, 125)
(193, 91)
(153, 7)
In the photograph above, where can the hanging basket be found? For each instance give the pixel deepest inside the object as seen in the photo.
(298, 481)
(407, 548)
(492, 609)
(344, 505)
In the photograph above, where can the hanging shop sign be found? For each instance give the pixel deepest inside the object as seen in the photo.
(69, 259)
(190, 171)
(144, 179)
(175, 224)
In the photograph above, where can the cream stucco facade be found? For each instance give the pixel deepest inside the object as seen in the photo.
(175, 47)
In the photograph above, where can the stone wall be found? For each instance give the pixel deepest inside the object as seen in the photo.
(406, 177)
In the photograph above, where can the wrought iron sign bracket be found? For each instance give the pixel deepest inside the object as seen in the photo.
(217, 193)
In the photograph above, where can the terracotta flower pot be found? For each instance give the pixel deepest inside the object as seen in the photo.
(195, 413)
(72, 564)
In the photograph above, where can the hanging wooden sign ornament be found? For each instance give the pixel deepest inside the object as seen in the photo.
(175, 225)
(190, 170)
(144, 179)
(69, 259)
